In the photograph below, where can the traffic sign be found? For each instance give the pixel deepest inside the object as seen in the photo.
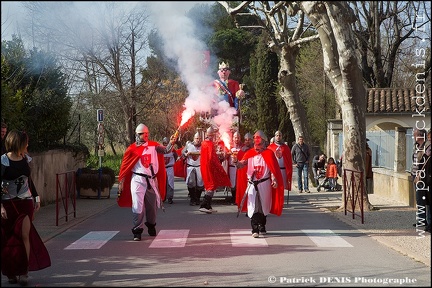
(100, 115)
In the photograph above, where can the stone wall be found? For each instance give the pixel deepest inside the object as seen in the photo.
(48, 166)
(394, 185)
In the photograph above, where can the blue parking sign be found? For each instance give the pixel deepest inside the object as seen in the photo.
(100, 115)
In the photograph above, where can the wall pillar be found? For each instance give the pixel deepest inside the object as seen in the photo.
(400, 148)
(334, 128)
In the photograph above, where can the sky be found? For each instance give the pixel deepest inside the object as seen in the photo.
(13, 13)
(179, 38)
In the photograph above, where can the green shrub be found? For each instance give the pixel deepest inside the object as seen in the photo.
(110, 161)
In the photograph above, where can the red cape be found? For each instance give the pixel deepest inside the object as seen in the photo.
(180, 166)
(212, 171)
(286, 154)
(131, 156)
(277, 193)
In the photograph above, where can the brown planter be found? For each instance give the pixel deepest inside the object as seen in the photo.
(90, 193)
(92, 183)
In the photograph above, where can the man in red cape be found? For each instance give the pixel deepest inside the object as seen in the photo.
(266, 193)
(142, 180)
(212, 171)
(283, 155)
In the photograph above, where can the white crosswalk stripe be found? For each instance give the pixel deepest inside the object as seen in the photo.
(92, 240)
(326, 238)
(243, 238)
(238, 237)
(170, 239)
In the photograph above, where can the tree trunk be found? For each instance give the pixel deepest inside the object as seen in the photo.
(289, 93)
(341, 66)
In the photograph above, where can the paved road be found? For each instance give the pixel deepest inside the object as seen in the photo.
(306, 246)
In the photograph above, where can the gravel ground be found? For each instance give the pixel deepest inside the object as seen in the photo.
(391, 224)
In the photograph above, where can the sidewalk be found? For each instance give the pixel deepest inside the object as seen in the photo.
(45, 218)
(390, 225)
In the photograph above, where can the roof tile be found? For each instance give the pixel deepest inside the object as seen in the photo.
(396, 100)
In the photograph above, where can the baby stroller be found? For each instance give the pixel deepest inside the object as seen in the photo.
(324, 183)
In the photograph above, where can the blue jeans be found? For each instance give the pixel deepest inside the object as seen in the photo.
(302, 172)
(332, 182)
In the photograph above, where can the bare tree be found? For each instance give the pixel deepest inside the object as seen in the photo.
(332, 21)
(286, 36)
(383, 30)
(102, 55)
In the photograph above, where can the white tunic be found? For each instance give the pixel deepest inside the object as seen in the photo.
(169, 165)
(149, 158)
(193, 163)
(258, 169)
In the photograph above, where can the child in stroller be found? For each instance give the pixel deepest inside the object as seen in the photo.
(327, 178)
(324, 183)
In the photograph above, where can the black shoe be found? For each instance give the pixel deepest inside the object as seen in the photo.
(170, 201)
(23, 280)
(137, 237)
(13, 280)
(151, 229)
(137, 233)
(255, 232)
(205, 210)
(262, 229)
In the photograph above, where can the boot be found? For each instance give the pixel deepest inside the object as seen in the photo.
(206, 205)
(262, 223)
(254, 225)
(151, 229)
(198, 192)
(192, 195)
(233, 196)
(137, 233)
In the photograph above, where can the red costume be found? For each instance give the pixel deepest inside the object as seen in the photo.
(180, 166)
(132, 155)
(12, 244)
(212, 171)
(286, 154)
(277, 193)
(230, 93)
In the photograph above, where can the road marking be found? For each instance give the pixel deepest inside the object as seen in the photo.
(326, 238)
(243, 238)
(170, 239)
(92, 240)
